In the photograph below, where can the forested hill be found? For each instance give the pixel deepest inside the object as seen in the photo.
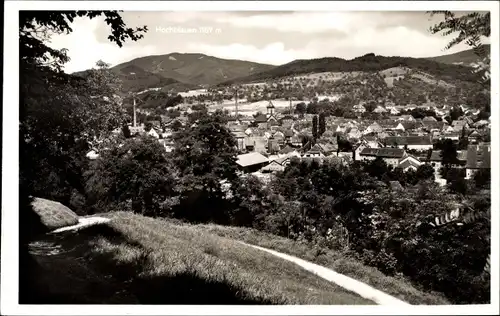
(366, 63)
(465, 58)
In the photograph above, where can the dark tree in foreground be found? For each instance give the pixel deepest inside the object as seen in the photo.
(59, 115)
(205, 154)
(471, 27)
(135, 176)
(35, 28)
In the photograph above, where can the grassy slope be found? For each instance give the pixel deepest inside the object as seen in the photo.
(136, 259)
(53, 214)
(336, 261)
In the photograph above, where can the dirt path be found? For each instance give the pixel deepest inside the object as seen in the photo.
(348, 283)
(82, 223)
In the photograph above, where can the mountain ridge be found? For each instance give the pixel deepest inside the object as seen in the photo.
(195, 68)
(177, 72)
(366, 63)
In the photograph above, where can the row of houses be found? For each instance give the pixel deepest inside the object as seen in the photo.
(476, 157)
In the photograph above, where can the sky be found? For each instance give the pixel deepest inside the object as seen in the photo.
(270, 37)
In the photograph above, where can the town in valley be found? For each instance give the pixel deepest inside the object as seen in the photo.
(254, 158)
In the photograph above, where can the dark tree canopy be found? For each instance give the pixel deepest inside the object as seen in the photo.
(35, 28)
(470, 27)
(315, 127)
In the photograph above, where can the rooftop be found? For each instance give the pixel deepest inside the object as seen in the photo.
(479, 156)
(383, 152)
(251, 159)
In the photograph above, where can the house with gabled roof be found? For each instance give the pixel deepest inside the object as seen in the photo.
(316, 151)
(295, 141)
(251, 162)
(354, 133)
(153, 133)
(429, 119)
(329, 147)
(372, 141)
(288, 151)
(393, 110)
(256, 143)
(273, 166)
(481, 123)
(412, 125)
(406, 117)
(474, 137)
(478, 157)
(390, 155)
(273, 146)
(455, 136)
(433, 126)
(240, 140)
(379, 109)
(373, 128)
(358, 108)
(409, 162)
(365, 142)
(261, 120)
(410, 142)
(458, 125)
(279, 136)
(435, 160)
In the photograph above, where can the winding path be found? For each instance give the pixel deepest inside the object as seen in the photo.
(346, 282)
(82, 223)
(341, 280)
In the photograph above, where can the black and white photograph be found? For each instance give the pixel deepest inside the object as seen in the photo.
(321, 157)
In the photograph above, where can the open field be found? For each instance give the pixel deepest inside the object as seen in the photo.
(254, 107)
(193, 93)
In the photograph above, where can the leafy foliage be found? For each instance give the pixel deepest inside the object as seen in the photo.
(471, 28)
(35, 28)
(62, 116)
(135, 176)
(205, 155)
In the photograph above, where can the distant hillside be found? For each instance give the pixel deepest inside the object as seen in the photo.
(465, 58)
(197, 69)
(366, 63)
(136, 79)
